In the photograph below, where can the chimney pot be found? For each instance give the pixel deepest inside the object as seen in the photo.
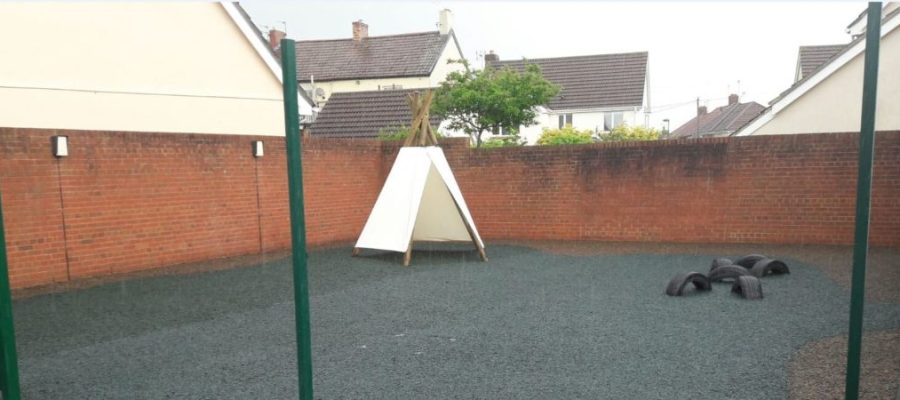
(491, 57)
(445, 22)
(733, 99)
(360, 30)
(275, 37)
(701, 110)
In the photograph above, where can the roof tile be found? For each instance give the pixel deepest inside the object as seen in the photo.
(363, 114)
(813, 57)
(412, 54)
(723, 120)
(596, 81)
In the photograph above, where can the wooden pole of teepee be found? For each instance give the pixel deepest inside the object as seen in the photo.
(420, 130)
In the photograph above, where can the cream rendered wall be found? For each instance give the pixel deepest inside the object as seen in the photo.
(172, 67)
(363, 85)
(835, 104)
(441, 69)
(532, 133)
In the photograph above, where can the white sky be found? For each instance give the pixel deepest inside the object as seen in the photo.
(697, 49)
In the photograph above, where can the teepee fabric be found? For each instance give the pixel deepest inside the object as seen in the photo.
(420, 201)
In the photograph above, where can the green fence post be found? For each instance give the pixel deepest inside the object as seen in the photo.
(9, 378)
(863, 199)
(298, 225)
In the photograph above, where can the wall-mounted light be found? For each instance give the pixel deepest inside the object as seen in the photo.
(61, 146)
(258, 148)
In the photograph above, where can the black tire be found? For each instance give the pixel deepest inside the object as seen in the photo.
(719, 262)
(727, 272)
(748, 287)
(768, 266)
(677, 284)
(748, 260)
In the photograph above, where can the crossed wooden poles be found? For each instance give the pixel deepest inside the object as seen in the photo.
(420, 131)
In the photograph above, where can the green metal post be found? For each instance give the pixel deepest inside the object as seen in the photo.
(863, 199)
(298, 225)
(9, 376)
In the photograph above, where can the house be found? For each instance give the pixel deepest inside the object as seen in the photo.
(366, 63)
(722, 121)
(598, 92)
(364, 114)
(828, 97)
(141, 67)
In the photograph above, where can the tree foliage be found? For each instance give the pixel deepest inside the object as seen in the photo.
(492, 99)
(391, 133)
(624, 133)
(565, 135)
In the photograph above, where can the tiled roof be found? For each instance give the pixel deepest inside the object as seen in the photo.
(598, 81)
(721, 121)
(363, 114)
(412, 54)
(810, 58)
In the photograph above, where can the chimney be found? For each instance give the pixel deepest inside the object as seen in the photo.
(360, 30)
(445, 23)
(733, 99)
(701, 110)
(275, 37)
(491, 57)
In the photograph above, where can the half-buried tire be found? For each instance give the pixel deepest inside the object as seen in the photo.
(719, 262)
(747, 287)
(768, 266)
(727, 272)
(748, 260)
(677, 284)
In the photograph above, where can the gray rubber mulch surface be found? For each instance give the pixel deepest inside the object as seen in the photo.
(528, 324)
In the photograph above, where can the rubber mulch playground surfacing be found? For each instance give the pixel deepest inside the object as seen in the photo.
(529, 324)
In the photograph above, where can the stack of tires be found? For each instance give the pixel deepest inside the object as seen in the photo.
(744, 275)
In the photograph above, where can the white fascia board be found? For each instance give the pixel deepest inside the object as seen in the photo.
(816, 78)
(263, 52)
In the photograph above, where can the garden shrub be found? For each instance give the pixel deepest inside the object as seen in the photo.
(391, 133)
(565, 135)
(624, 133)
(503, 141)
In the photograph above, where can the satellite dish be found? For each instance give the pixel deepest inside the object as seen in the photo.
(320, 92)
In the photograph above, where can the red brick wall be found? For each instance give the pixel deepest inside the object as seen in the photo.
(766, 189)
(29, 183)
(135, 201)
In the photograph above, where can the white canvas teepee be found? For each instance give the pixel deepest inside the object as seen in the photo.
(420, 201)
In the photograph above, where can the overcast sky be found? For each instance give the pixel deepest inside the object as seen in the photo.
(697, 49)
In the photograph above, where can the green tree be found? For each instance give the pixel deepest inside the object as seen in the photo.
(624, 133)
(492, 99)
(565, 135)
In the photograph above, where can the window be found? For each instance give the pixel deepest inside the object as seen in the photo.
(565, 119)
(612, 120)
